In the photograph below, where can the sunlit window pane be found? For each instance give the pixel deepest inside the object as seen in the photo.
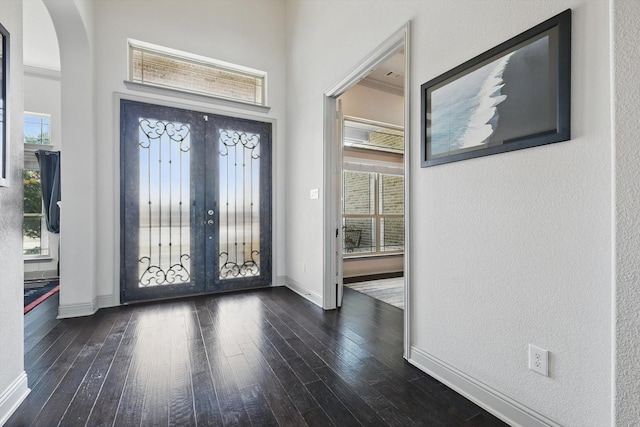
(392, 234)
(36, 129)
(359, 193)
(34, 237)
(391, 190)
(359, 235)
(373, 213)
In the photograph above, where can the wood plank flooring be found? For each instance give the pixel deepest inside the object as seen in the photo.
(256, 358)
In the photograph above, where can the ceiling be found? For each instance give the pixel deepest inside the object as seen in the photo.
(389, 76)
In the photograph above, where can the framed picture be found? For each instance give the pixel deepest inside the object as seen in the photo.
(516, 95)
(4, 79)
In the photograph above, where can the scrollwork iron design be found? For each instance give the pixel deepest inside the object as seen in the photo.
(154, 275)
(231, 138)
(230, 269)
(155, 129)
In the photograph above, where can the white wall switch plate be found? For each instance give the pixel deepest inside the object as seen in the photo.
(314, 193)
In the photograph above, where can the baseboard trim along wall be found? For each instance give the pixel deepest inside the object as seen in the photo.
(502, 406)
(303, 292)
(77, 310)
(13, 396)
(40, 275)
(106, 301)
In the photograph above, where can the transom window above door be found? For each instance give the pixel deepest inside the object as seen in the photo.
(160, 66)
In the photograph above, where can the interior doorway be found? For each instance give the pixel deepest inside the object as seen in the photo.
(41, 134)
(334, 233)
(373, 187)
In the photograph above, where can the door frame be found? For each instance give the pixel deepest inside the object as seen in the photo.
(333, 171)
(204, 105)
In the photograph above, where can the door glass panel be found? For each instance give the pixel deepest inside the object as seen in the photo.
(165, 211)
(239, 195)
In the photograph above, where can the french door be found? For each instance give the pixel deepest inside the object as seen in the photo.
(195, 202)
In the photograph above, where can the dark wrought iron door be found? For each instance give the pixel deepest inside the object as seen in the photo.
(239, 194)
(195, 202)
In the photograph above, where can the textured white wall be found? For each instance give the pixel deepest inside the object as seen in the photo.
(626, 43)
(508, 249)
(246, 33)
(11, 280)
(40, 41)
(78, 179)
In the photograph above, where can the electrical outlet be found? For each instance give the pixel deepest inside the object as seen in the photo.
(539, 360)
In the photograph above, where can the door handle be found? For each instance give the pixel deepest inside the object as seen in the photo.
(210, 222)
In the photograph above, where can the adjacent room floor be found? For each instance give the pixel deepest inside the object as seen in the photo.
(390, 290)
(256, 358)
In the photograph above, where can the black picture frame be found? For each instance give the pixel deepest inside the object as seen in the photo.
(514, 96)
(4, 123)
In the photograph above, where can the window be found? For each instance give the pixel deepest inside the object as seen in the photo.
(35, 240)
(36, 136)
(36, 129)
(160, 66)
(373, 220)
(370, 135)
(373, 188)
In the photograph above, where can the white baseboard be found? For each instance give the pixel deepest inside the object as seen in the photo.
(13, 396)
(304, 292)
(77, 310)
(280, 281)
(80, 310)
(510, 411)
(40, 275)
(105, 301)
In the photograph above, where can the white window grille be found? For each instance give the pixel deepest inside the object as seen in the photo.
(160, 66)
(373, 221)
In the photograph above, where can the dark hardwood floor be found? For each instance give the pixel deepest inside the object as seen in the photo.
(257, 358)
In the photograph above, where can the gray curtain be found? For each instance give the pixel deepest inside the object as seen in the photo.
(49, 162)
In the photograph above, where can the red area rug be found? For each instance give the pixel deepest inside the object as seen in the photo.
(35, 296)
